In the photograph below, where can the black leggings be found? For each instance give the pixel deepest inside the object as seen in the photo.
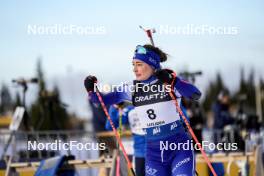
(140, 166)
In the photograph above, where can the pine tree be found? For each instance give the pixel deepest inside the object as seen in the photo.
(47, 112)
(212, 92)
(262, 98)
(6, 100)
(247, 89)
(18, 101)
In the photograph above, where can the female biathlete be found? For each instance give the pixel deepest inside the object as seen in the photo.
(157, 113)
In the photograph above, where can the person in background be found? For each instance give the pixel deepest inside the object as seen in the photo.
(222, 116)
(98, 122)
(129, 116)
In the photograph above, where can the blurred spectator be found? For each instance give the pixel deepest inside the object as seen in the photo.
(98, 122)
(195, 113)
(99, 118)
(222, 116)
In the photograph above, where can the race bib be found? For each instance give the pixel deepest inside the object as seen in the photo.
(157, 114)
(154, 108)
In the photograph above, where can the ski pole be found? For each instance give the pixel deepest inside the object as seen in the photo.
(118, 147)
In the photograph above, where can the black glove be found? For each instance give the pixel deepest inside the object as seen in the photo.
(165, 75)
(89, 83)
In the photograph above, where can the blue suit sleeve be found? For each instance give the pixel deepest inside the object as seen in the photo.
(187, 90)
(113, 112)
